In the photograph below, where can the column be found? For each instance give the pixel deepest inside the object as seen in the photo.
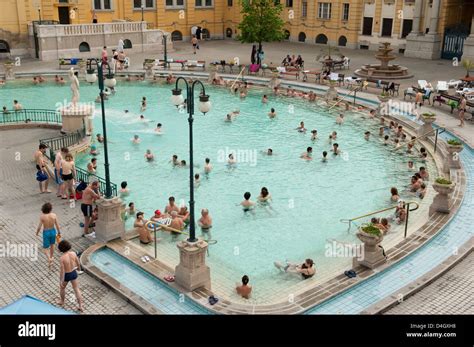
(416, 17)
(192, 272)
(468, 49)
(434, 17)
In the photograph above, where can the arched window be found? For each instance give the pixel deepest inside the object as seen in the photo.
(176, 36)
(205, 34)
(301, 37)
(321, 38)
(342, 41)
(84, 47)
(228, 32)
(287, 34)
(4, 47)
(127, 44)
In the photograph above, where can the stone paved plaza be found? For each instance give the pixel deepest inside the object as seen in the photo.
(20, 202)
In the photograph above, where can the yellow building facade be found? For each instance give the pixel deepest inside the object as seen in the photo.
(360, 24)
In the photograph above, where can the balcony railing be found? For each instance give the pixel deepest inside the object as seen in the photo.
(90, 29)
(31, 116)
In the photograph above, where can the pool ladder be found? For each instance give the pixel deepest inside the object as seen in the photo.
(407, 206)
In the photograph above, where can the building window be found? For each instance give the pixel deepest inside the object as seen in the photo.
(174, 3)
(345, 12)
(289, 3)
(84, 47)
(176, 36)
(322, 39)
(102, 5)
(387, 27)
(324, 10)
(301, 37)
(127, 44)
(230, 3)
(4, 47)
(342, 41)
(407, 26)
(148, 4)
(304, 9)
(203, 3)
(367, 26)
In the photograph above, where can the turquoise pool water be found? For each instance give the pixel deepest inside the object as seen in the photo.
(309, 198)
(162, 296)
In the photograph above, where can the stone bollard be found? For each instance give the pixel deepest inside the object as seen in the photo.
(427, 128)
(442, 201)
(192, 272)
(373, 253)
(149, 71)
(9, 73)
(109, 225)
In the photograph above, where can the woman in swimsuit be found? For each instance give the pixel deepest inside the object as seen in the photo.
(69, 172)
(306, 269)
(70, 268)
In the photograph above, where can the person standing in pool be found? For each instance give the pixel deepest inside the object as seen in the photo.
(158, 130)
(48, 221)
(340, 119)
(245, 289)
(207, 166)
(335, 149)
(143, 107)
(69, 267)
(171, 206)
(265, 197)
(301, 128)
(314, 135)
(205, 222)
(325, 157)
(272, 113)
(136, 139)
(149, 156)
(176, 221)
(247, 204)
(144, 234)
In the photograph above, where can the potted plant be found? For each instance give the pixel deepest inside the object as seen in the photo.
(383, 97)
(454, 147)
(428, 117)
(443, 186)
(370, 235)
(468, 64)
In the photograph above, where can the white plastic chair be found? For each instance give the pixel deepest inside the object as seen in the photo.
(442, 86)
(422, 84)
(454, 83)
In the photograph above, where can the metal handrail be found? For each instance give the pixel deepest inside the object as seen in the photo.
(437, 130)
(344, 97)
(31, 115)
(407, 204)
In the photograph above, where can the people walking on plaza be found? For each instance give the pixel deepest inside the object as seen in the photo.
(69, 174)
(195, 43)
(58, 170)
(462, 110)
(70, 267)
(104, 56)
(49, 222)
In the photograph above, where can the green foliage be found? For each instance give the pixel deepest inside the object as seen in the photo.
(468, 64)
(261, 22)
(454, 142)
(369, 228)
(442, 180)
(428, 115)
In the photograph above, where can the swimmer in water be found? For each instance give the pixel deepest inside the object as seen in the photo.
(386, 140)
(149, 156)
(264, 99)
(411, 165)
(205, 222)
(340, 119)
(367, 135)
(330, 139)
(325, 157)
(265, 196)
(182, 163)
(136, 139)
(231, 160)
(381, 131)
(174, 160)
(372, 114)
(124, 191)
(334, 135)
(272, 113)
(231, 116)
(99, 138)
(335, 149)
(269, 151)
(125, 111)
(397, 144)
(247, 204)
(301, 128)
(314, 135)
(142, 117)
(207, 166)
(197, 180)
(158, 130)
(143, 107)
(308, 154)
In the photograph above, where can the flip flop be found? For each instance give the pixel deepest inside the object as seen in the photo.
(213, 300)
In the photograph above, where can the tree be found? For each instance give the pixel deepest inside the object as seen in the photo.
(468, 65)
(261, 23)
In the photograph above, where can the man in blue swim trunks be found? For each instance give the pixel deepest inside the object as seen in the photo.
(48, 221)
(58, 171)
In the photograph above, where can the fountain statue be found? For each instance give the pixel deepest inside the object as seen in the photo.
(74, 87)
(384, 70)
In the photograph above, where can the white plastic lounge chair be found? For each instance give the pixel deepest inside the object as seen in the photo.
(465, 91)
(442, 86)
(334, 76)
(422, 84)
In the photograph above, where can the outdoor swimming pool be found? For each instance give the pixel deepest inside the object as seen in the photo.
(309, 197)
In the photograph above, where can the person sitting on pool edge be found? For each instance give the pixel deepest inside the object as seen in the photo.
(143, 233)
(245, 289)
(205, 222)
(247, 204)
(306, 269)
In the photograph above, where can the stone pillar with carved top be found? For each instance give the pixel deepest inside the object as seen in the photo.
(109, 225)
(76, 117)
(192, 272)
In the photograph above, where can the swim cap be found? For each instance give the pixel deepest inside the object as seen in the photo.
(158, 212)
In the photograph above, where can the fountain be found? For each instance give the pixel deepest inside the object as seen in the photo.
(384, 70)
